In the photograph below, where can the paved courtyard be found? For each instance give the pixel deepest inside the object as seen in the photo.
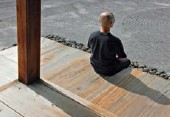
(142, 25)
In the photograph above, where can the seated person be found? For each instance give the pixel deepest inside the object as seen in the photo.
(107, 56)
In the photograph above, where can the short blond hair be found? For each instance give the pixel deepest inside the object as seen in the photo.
(106, 17)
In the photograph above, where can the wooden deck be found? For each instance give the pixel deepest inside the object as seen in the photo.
(130, 93)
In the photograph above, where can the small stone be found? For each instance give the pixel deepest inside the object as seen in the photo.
(80, 44)
(56, 37)
(136, 65)
(89, 50)
(50, 36)
(153, 68)
(162, 72)
(73, 42)
(79, 47)
(168, 77)
(14, 44)
(84, 48)
(132, 63)
(73, 45)
(152, 72)
(66, 43)
(145, 70)
(163, 75)
(157, 73)
(142, 66)
(61, 40)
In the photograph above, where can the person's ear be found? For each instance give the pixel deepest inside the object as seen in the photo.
(111, 24)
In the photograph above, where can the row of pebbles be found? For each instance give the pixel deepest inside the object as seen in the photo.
(69, 43)
(151, 70)
(74, 44)
(8, 47)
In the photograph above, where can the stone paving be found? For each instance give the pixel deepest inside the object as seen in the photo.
(142, 25)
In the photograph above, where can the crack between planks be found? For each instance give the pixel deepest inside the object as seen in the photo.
(11, 108)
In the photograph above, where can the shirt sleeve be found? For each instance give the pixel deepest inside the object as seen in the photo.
(120, 50)
(89, 44)
(116, 46)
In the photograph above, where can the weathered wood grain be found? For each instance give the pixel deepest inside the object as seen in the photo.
(126, 93)
(8, 71)
(29, 104)
(6, 111)
(129, 93)
(87, 105)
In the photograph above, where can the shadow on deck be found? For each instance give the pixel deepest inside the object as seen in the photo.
(69, 82)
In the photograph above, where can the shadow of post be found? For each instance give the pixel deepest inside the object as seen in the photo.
(67, 104)
(125, 80)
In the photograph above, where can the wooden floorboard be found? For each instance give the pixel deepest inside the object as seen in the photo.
(130, 93)
(8, 70)
(29, 104)
(127, 93)
(5, 111)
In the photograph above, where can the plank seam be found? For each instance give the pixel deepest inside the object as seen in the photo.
(11, 108)
(80, 100)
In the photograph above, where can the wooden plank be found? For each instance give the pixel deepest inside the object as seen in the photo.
(29, 104)
(105, 97)
(11, 54)
(99, 111)
(8, 70)
(5, 111)
(28, 32)
(7, 85)
(139, 96)
(128, 93)
(157, 110)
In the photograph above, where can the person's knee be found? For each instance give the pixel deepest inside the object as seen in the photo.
(127, 62)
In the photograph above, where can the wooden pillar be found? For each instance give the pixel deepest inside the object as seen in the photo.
(28, 33)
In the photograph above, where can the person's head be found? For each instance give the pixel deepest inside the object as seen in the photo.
(106, 20)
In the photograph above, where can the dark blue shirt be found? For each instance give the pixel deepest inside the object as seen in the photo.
(105, 47)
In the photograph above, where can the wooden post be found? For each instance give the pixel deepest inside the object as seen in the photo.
(28, 32)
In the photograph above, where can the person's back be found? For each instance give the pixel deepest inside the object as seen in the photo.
(108, 56)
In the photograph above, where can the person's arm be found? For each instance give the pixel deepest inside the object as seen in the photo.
(116, 46)
(89, 44)
(120, 50)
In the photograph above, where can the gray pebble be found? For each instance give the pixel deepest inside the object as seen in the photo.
(162, 72)
(158, 73)
(152, 72)
(153, 68)
(136, 65)
(84, 48)
(132, 63)
(14, 44)
(89, 50)
(50, 36)
(79, 47)
(142, 66)
(163, 75)
(145, 70)
(74, 46)
(80, 44)
(73, 42)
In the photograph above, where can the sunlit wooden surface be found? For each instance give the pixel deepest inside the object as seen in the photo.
(130, 93)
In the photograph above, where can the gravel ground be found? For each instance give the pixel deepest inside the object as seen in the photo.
(142, 25)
